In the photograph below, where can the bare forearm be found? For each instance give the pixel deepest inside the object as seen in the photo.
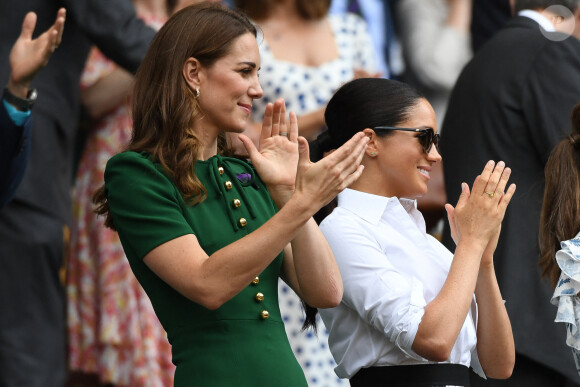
(311, 124)
(445, 315)
(495, 342)
(240, 262)
(459, 16)
(317, 274)
(108, 93)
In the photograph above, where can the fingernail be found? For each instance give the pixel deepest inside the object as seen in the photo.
(490, 163)
(501, 164)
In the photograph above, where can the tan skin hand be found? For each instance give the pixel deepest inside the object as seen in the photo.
(278, 156)
(29, 55)
(478, 214)
(276, 161)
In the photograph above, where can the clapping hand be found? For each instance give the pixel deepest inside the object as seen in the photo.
(29, 55)
(277, 159)
(479, 213)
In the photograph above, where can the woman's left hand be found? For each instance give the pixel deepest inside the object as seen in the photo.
(277, 159)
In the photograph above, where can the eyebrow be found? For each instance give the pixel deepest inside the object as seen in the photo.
(251, 64)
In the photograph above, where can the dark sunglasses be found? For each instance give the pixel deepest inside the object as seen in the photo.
(427, 137)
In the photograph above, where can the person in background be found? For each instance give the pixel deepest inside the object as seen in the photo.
(512, 102)
(412, 312)
(206, 234)
(436, 44)
(27, 57)
(488, 17)
(306, 55)
(559, 234)
(377, 15)
(34, 225)
(114, 336)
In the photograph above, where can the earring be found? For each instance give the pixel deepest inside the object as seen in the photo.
(197, 92)
(373, 154)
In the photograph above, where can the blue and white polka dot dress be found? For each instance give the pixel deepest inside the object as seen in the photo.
(306, 89)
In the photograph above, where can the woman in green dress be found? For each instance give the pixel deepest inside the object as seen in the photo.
(207, 234)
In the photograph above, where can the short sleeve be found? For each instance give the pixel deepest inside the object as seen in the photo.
(146, 207)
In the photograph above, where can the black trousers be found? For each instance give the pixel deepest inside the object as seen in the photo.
(424, 375)
(32, 307)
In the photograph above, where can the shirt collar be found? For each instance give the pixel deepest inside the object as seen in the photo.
(371, 207)
(538, 18)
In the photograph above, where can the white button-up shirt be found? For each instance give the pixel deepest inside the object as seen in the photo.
(391, 269)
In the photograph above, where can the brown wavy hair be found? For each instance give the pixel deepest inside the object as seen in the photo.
(164, 105)
(560, 218)
(260, 9)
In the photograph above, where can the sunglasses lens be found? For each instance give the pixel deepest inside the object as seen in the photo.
(426, 139)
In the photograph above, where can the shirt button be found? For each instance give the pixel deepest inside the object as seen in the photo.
(221, 170)
(264, 315)
(256, 281)
(260, 297)
(236, 203)
(228, 185)
(243, 222)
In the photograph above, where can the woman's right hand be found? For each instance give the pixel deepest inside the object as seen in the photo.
(318, 183)
(479, 213)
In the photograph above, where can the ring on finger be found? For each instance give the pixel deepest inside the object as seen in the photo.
(283, 133)
(490, 194)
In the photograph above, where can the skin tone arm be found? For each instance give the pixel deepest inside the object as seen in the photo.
(495, 341)
(213, 280)
(107, 93)
(475, 222)
(459, 16)
(29, 55)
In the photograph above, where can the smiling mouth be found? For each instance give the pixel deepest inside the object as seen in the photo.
(424, 172)
(246, 107)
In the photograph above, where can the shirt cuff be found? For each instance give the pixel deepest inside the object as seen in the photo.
(17, 116)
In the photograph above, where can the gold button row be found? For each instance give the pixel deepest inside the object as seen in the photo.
(236, 202)
(259, 298)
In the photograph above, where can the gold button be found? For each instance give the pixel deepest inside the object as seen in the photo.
(221, 170)
(237, 203)
(228, 185)
(243, 222)
(264, 315)
(256, 281)
(260, 297)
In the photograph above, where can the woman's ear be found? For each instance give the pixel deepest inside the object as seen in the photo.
(191, 70)
(372, 148)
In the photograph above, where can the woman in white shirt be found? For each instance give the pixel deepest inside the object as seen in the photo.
(409, 314)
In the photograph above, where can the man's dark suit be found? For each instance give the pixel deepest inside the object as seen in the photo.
(32, 324)
(14, 152)
(513, 102)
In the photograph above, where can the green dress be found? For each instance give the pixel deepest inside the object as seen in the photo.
(237, 344)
